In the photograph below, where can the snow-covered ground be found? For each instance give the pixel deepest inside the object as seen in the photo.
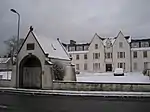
(131, 77)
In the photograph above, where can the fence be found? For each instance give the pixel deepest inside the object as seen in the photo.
(89, 86)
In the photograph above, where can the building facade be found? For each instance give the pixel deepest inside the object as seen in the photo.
(106, 54)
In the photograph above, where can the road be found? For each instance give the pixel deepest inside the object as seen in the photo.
(10, 102)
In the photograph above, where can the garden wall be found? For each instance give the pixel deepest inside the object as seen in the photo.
(89, 86)
(5, 83)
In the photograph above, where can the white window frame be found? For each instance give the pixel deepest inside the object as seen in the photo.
(135, 56)
(77, 67)
(145, 44)
(79, 48)
(120, 44)
(145, 56)
(96, 66)
(122, 64)
(135, 65)
(96, 46)
(85, 66)
(77, 57)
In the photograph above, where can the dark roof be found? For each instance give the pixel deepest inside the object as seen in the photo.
(79, 44)
(65, 45)
(127, 37)
(99, 36)
(139, 39)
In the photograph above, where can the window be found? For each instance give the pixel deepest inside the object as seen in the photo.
(30, 46)
(120, 45)
(96, 55)
(144, 54)
(121, 65)
(86, 47)
(77, 67)
(77, 57)
(108, 55)
(121, 54)
(124, 66)
(96, 66)
(72, 48)
(144, 44)
(85, 66)
(135, 66)
(79, 48)
(135, 44)
(96, 46)
(135, 54)
(145, 65)
(85, 56)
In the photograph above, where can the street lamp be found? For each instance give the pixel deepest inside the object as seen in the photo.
(14, 11)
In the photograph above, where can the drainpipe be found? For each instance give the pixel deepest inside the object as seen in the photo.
(112, 58)
(130, 59)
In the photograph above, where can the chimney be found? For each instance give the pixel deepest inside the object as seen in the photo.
(72, 42)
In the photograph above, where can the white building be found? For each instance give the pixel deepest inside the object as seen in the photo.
(106, 54)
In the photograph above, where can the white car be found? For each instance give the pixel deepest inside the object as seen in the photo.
(119, 72)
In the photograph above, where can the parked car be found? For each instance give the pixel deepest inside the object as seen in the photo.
(119, 72)
(146, 72)
(77, 72)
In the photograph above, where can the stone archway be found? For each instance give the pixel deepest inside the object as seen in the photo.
(30, 71)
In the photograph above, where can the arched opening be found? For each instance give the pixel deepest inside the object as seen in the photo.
(30, 71)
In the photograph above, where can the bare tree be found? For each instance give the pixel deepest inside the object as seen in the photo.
(11, 45)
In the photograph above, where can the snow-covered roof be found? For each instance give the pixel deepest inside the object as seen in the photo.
(141, 48)
(4, 60)
(112, 40)
(140, 38)
(52, 47)
(78, 52)
(104, 42)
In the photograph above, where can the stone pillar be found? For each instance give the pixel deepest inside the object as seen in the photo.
(47, 78)
(13, 76)
(70, 73)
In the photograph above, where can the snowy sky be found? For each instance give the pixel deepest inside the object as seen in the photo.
(75, 19)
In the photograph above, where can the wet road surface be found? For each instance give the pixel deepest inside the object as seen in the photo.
(10, 102)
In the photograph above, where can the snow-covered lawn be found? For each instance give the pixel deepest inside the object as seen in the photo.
(130, 77)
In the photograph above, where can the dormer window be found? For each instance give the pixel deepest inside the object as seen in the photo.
(30, 46)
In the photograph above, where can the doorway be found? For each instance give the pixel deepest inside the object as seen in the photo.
(30, 71)
(108, 67)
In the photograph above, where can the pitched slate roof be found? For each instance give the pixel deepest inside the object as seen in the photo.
(52, 47)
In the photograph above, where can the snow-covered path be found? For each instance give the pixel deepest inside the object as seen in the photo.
(110, 78)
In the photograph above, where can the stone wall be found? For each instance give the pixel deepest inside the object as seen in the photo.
(87, 86)
(5, 83)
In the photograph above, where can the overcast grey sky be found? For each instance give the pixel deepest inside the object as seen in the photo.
(75, 19)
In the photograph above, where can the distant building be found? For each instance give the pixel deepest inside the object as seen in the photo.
(106, 54)
(5, 68)
(5, 64)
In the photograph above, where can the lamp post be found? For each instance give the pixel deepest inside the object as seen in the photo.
(14, 11)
